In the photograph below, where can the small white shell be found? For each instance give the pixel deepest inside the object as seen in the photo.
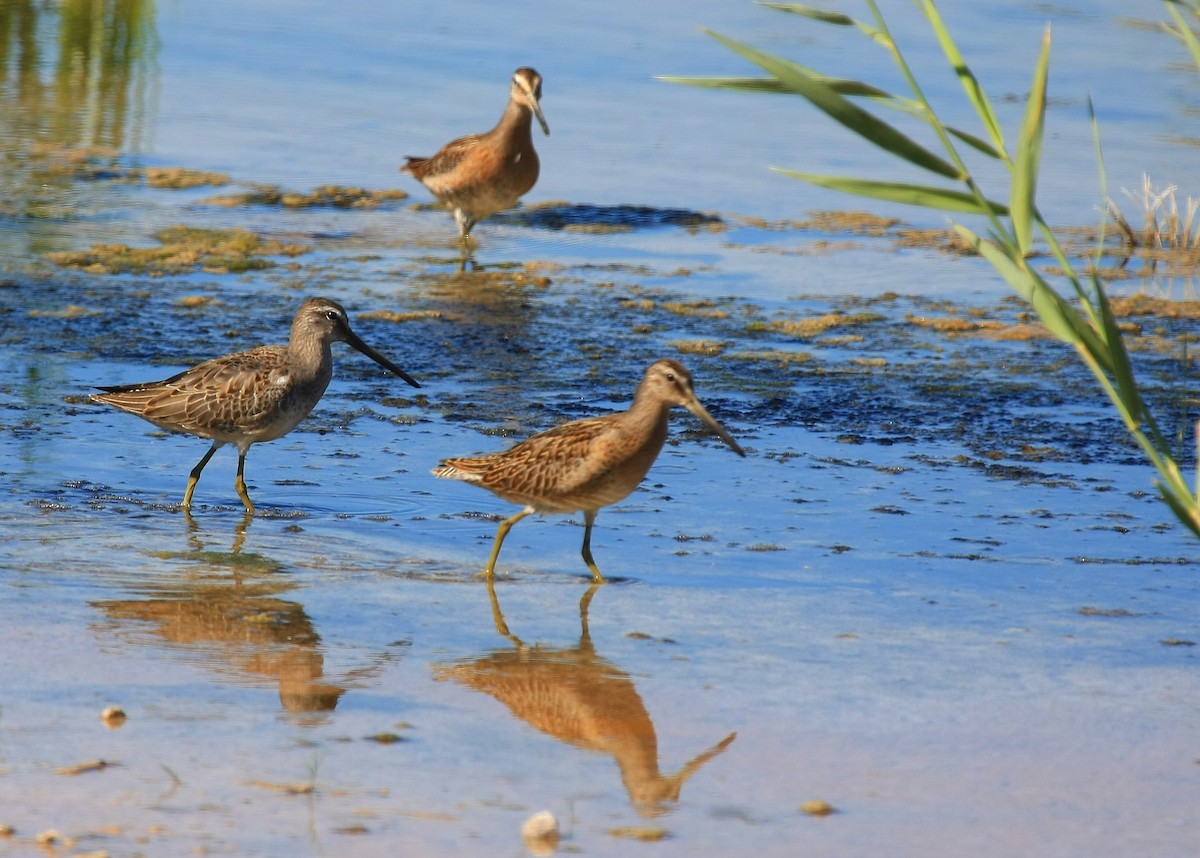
(540, 833)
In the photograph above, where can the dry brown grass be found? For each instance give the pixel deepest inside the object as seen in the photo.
(1166, 225)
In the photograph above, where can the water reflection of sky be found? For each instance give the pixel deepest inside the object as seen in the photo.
(322, 94)
(311, 93)
(331, 93)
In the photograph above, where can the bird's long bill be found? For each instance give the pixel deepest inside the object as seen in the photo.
(355, 343)
(537, 111)
(693, 405)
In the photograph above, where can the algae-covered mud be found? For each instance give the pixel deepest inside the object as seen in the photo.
(937, 608)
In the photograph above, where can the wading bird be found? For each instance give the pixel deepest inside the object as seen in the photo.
(252, 396)
(481, 174)
(586, 464)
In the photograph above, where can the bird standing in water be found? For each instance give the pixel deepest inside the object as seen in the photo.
(586, 464)
(252, 396)
(481, 174)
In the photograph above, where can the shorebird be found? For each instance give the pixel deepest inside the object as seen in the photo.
(586, 464)
(252, 396)
(481, 174)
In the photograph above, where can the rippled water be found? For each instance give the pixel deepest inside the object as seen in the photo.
(939, 594)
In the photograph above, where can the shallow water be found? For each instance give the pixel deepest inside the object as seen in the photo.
(939, 593)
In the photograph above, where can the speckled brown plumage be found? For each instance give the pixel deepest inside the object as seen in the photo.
(481, 174)
(251, 396)
(586, 464)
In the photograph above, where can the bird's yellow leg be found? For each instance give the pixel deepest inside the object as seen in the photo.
(240, 484)
(589, 518)
(194, 476)
(501, 532)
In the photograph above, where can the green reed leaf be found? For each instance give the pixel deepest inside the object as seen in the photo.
(835, 18)
(865, 124)
(926, 196)
(1118, 358)
(1183, 32)
(1059, 317)
(1029, 152)
(775, 85)
(970, 83)
(975, 142)
(1185, 510)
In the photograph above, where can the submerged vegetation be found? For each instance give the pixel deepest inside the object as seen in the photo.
(180, 177)
(1014, 230)
(181, 250)
(327, 196)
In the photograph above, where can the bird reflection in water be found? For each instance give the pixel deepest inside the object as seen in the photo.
(578, 697)
(195, 534)
(226, 611)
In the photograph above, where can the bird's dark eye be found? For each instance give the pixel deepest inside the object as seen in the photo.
(670, 376)
(331, 315)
